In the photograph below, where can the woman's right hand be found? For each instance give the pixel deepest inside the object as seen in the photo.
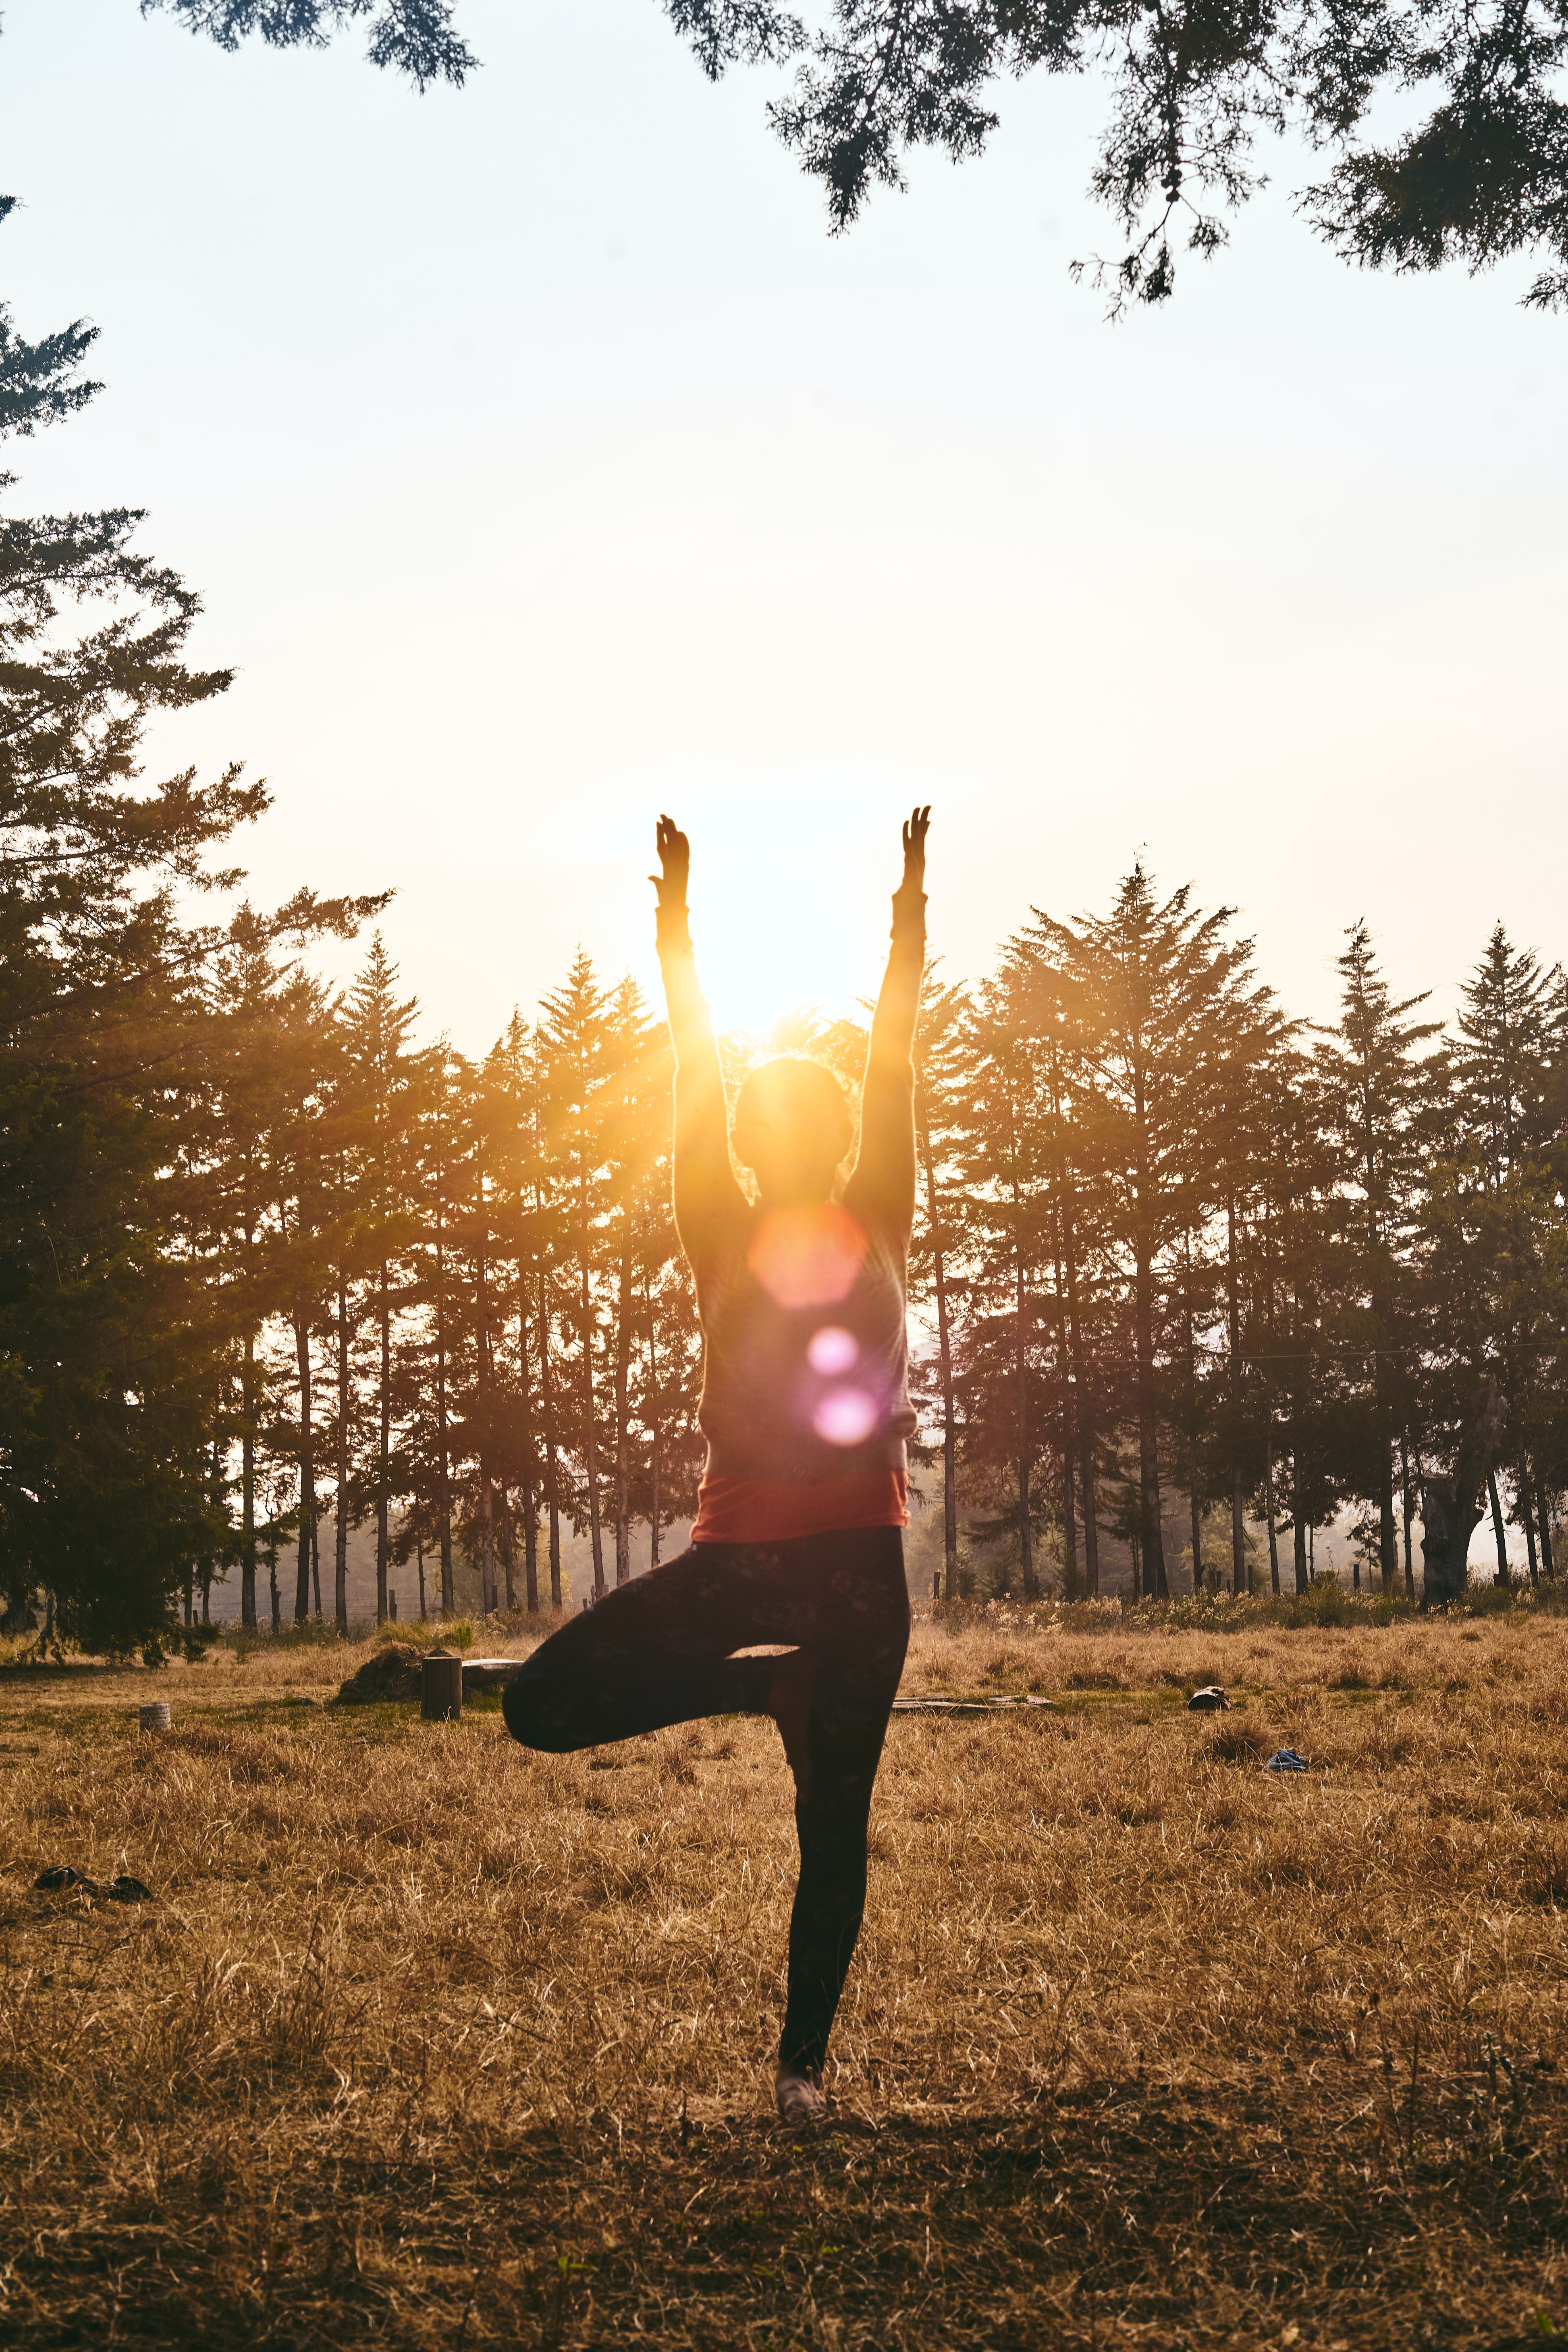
(675, 855)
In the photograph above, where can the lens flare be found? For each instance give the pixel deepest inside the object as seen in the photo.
(808, 1256)
(832, 1350)
(845, 1417)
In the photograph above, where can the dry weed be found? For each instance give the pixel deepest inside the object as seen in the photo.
(426, 2042)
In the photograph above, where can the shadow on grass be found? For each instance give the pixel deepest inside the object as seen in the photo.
(1137, 2210)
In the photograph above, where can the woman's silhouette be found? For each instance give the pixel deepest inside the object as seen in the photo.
(806, 1409)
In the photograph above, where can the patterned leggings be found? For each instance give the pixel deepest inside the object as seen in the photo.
(657, 1651)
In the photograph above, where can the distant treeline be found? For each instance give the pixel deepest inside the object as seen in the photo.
(264, 1257)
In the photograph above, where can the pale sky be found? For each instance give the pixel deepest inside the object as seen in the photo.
(543, 463)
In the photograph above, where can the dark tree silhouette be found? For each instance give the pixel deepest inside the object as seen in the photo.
(1479, 173)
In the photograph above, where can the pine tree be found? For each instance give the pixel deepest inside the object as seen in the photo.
(377, 1028)
(1163, 1013)
(575, 1035)
(939, 1064)
(1377, 1090)
(110, 1358)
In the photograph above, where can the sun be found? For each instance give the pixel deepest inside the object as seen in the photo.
(779, 953)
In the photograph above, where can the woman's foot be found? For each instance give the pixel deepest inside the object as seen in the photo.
(789, 1704)
(798, 2090)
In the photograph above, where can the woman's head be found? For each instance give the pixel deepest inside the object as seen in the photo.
(793, 1127)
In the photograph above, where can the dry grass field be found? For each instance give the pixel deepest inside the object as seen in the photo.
(426, 2042)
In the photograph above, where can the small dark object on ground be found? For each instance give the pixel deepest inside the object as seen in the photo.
(1207, 1701)
(1286, 1759)
(64, 1879)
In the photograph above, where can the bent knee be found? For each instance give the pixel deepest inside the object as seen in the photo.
(536, 1721)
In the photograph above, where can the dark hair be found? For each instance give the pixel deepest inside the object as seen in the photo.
(804, 1097)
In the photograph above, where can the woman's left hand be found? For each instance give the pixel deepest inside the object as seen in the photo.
(915, 830)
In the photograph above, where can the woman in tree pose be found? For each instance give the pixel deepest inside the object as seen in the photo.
(806, 1409)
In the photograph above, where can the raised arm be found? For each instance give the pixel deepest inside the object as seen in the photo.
(707, 1196)
(882, 1189)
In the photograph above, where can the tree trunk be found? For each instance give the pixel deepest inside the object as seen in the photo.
(307, 1472)
(443, 1456)
(1196, 1509)
(1543, 1511)
(247, 1486)
(383, 1458)
(1021, 1373)
(1495, 1499)
(1450, 1512)
(340, 1531)
(1268, 1515)
(1387, 1551)
(1151, 1533)
(1083, 1425)
(656, 1427)
(530, 1462)
(1240, 1580)
(420, 1551)
(487, 1592)
(945, 1372)
(623, 1467)
(1409, 1511)
(1090, 1521)
(1298, 1519)
(487, 1543)
(552, 1467)
(590, 1434)
(1070, 1530)
(1522, 1487)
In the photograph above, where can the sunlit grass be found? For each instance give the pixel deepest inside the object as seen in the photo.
(426, 2040)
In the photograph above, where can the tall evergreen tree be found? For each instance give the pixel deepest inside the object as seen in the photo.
(1166, 1012)
(1377, 1094)
(109, 1356)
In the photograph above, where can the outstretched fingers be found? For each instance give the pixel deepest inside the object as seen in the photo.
(914, 837)
(675, 856)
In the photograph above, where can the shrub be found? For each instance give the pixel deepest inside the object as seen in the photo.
(433, 1633)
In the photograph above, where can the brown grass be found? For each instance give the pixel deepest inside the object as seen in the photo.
(426, 2042)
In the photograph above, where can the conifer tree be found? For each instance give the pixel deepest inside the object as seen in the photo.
(576, 1033)
(378, 1026)
(1377, 1090)
(1166, 1012)
(939, 1069)
(108, 1354)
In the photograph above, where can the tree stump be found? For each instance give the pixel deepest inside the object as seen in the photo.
(440, 1688)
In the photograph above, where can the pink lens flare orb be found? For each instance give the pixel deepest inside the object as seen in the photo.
(845, 1417)
(808, 1256)
(832, 1350)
